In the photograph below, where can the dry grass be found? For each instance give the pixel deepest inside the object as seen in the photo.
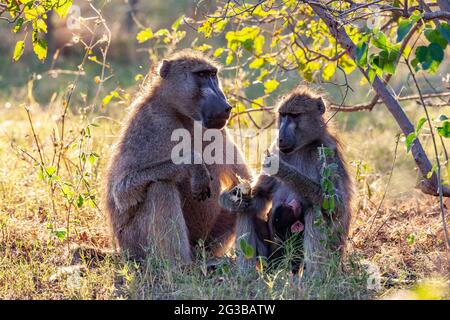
(403, 239)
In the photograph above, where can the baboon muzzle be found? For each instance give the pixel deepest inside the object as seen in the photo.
(215, 109)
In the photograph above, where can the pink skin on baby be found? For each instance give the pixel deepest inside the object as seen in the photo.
(296, 208)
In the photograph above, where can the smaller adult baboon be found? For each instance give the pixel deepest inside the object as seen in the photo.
(310, 191)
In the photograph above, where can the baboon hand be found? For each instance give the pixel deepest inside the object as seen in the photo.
(270, 165)
(234, 201)
(200, 183)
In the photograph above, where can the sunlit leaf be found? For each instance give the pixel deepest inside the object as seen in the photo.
(444, 130)
(361, 53)
(40, 49)
(420, 124)
(409, 140)
(18, 50)
(328, 71)
(177, 23)
(270, 86)
(246, 248)
(144, 35)
(256, 63)
(62, 7)
(403, 28)
(218, 52)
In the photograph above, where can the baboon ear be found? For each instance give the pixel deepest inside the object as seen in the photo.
(321, 105)
(165, 68)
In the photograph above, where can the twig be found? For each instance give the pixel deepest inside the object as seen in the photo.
(387, 185)
(436, 154)
(369, 106)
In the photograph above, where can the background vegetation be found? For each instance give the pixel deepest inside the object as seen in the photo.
(62, 100)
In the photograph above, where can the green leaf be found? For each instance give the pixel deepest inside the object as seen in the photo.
(409, 140)
(50, 170)
(380, 40)
(256, 63)
(61, 234)
(270, 86)
(410, 239)
(434, 36)
(371, 74)
(230, 58)
(430, 57)
(62, 7)
(206, 28)
(420, 125)
(144, 35)
(403, 28)
(177, 23)
(436, 52)
(262, 74)
(326, 203)
(444, 131)
(444, 29)
(40, 49)
(347, 63)
(361, 53)
(246, 248)
(218, 52)
(18, 50)
(91, 203)
(80, 201)
(257, 103)
(40, 25)
(203, 47)
(421, 53)
(328, 71)
(18, 25)
(67, 192)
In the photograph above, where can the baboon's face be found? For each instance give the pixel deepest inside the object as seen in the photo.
(196, 90)
(300, 126)
(214, 108)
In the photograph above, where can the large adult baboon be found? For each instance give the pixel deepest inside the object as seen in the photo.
(153, 202)
(311, 185)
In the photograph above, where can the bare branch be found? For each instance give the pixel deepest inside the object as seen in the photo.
(369, 106)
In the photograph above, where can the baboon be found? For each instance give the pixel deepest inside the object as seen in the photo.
(286, 223)
(153, 203)
(310, 189)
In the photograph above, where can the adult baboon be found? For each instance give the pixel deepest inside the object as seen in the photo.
(311, 184)
(153, 202)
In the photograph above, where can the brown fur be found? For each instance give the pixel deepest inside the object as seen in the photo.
(149, 200)
(299, 177)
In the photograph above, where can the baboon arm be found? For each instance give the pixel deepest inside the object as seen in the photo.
(262, 194)
(130, 190)
(298, 182)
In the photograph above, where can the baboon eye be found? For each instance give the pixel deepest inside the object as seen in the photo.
(295, 115)
(213, 74)
(202, 74)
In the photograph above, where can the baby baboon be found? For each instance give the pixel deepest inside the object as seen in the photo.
(286, 223)
(311, 183)
(154, 203)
